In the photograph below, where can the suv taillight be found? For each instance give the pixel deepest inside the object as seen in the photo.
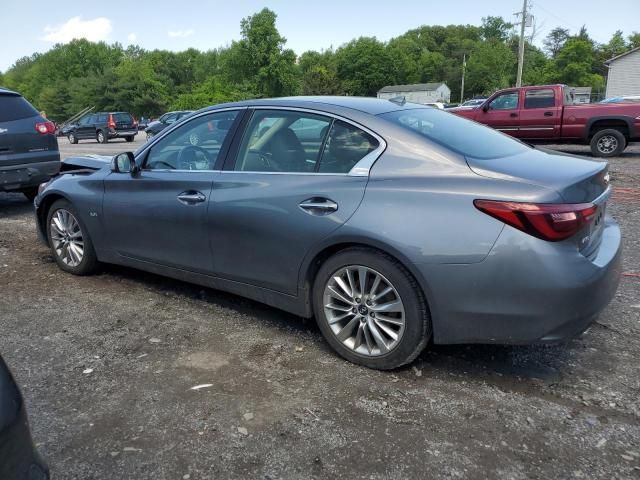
(549, 221)
(111, 123)
(45, 127)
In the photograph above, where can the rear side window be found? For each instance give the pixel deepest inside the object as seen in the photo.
(102, 118)
(15, 107)
(539, 98)
(456, 133)
(345, 147)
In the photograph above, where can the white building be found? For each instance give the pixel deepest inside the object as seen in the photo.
(624, 74)
(418, 93)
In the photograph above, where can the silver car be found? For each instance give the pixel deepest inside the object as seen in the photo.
(394, 224)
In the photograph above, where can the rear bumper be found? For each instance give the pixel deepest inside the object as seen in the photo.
(123, 133)
(17, 177)
(525, 291)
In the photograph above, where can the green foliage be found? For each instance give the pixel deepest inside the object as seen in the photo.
(82, 74)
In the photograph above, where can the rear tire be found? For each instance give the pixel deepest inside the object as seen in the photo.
(405, 334)
(67, 229)
(73, 139)
(101, 137)
(608, 143)
(129, 139)
(30, 193)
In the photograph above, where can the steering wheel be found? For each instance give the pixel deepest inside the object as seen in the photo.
(190, 148)
(161, 162)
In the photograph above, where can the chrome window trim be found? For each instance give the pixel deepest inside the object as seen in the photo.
(360, 169)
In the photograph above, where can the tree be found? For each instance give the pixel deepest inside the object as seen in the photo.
(365, 66)
(495, 28)
(573, 65)
(489, 67)
(634, 40)
(555, 40)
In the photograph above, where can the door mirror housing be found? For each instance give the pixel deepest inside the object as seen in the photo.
(485, 107)
(124, 163)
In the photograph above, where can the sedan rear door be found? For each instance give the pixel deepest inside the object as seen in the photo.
(291, 181)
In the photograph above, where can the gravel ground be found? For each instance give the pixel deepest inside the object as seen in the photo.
(107, 363)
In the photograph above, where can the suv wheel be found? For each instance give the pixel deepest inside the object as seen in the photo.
(608, 143)
(69, 240)
(72, 138)
(370, 309)
(101, 137)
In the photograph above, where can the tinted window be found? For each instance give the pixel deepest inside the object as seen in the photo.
(456, 133)
(282, 141)
(539, 98)
(346, 146)
(122, 117)
(194, 145)
(170, 118)
(506, 101)
(14, 107)
(84, 120)
(102, 118)
(92, 119)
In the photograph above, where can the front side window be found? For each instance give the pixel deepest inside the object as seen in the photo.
(170, 118)
(544, 98)
(84, 120)
(456, 133)
(506, 101)
(194, 145)
(282, 141)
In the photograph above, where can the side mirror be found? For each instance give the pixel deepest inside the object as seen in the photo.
(124, 163)
(485, 107)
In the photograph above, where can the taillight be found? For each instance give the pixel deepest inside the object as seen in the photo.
(549, 221)
(111, 123)
(45, 127)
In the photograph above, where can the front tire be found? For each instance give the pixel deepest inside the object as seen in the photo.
(69, 240)
(370, 309)
(608, 143)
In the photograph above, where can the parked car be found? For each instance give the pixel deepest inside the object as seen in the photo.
(164, 121)
(546, 114)
(392, 223)
(19, 459)
(103, 126)
(29, 152)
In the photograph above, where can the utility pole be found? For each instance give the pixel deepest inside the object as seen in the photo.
(464, 67)
(523, 21)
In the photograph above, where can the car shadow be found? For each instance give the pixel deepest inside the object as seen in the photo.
(14, 204)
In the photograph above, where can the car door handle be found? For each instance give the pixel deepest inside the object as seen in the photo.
(548, 114)
(513, 115)
(319, 206)
(191, 197)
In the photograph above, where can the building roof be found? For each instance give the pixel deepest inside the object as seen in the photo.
(621, 55)
(416, 87)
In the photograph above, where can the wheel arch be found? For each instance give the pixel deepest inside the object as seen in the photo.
(622, 123)
(323, 252)
(43, 210)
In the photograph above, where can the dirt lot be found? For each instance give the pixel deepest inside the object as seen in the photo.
(281, 404)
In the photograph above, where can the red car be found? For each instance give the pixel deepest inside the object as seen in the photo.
(547, 114)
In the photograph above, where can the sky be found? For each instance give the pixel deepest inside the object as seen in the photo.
(29, 26)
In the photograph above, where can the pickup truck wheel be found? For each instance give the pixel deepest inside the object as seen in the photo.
(608, 143)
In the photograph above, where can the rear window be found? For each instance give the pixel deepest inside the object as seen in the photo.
(456, 133)
(544, 98)
(122, 117)
(14, 107)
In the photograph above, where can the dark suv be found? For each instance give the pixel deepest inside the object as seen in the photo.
(103, 126)
(28, 146)
(164, 121)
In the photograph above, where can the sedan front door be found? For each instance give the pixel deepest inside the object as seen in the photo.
(288, 187)
(159, 215)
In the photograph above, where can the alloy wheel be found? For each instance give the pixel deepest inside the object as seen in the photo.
(364, 310)
(66, 237)
(607, 144)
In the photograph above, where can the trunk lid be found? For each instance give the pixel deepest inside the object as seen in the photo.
(575, 179)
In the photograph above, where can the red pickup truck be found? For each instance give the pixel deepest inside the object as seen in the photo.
(547, 114)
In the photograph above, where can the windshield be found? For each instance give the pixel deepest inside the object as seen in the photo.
(456, 133)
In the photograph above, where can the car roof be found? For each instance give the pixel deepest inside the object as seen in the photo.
(369, 105)
(6, 91)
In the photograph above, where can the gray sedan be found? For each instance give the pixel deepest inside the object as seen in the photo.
(393, 224)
